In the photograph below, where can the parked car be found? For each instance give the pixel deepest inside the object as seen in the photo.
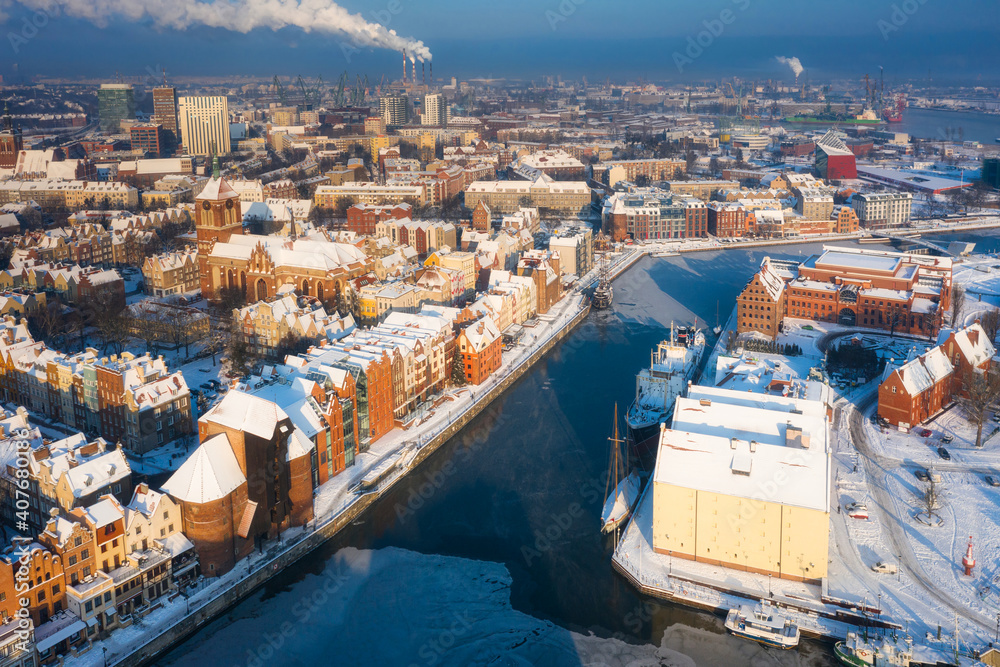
(884, 568)
(922, 475)
(992, 481)
(943, 453)
(857, 511)
(946, 439)
(925, 433)
(212, 395)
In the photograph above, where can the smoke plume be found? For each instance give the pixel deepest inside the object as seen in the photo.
(239, 15)
(793, 63)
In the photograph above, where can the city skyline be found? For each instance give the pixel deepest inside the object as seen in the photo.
(672, 42)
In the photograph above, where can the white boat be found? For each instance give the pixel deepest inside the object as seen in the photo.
(764, 625)
(672, 365)
(858, 652)
(619, 504)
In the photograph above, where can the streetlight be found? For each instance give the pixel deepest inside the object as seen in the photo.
(769, 585)
(105, 649)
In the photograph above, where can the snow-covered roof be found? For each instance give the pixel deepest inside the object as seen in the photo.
(246, 412)
(975, 344)
(216, 189)
(97, 473)
(210, 473)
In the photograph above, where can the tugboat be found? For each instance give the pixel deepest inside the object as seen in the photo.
(763, 625)
(672, 365)
(604, 293)
(856, 651)
(622, 499)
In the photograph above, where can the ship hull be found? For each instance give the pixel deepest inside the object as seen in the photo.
(831, 121)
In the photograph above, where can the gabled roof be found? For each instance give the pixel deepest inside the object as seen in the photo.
(210, 473)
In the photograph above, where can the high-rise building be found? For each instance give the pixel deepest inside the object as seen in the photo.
(392, 108)
(11, 142)
(204, 124)
(435, 110)
(165, 108)
(115, 103)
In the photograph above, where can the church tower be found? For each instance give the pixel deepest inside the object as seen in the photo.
(218, 217)
(11, 142)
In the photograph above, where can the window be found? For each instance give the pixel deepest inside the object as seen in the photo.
(72, 560)
(86, 572)
(85, 554)
(104, 548)
(41, 595)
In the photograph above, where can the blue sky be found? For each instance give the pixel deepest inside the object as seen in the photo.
(531, 38)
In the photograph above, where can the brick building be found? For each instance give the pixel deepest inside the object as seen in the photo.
(479, 344)
(924, 385)
(362, 218)
(727, 220)
(882, 290)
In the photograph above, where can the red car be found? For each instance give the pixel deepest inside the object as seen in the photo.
(925, 433)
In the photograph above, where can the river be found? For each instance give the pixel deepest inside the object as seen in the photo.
(522, 486)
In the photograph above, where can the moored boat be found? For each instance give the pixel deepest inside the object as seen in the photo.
(672, 365)
(855, 651)
(624, 485)
(764, 625)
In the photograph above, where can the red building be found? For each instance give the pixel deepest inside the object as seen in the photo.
(727, 220)
(695, 219)
(834, 160)
(479, 345)
(916, 391)
(362, 218)
(482, 217)
(147, 139)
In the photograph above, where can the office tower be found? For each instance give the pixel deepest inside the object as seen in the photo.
(435, 110)
(392, 108)
(115, 103)
(147, 139)
(204, 124)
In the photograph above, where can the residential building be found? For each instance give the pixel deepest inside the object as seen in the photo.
(727, 220)
(576, 251)
(275, 328)
(883, 210)
(363, 218)
(510, 196)
(330, 196)
(393, 109)
(923, 386)
(479, 344)
(171, 273)
(436, 110)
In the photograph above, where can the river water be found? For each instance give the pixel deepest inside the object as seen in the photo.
(523, 485)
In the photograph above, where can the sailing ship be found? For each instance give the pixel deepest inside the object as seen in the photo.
(857, 651)
(764, 625)
(625, 490)
(604, 293)
(672, 366)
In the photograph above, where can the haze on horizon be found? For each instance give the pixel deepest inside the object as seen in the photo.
(653, 39)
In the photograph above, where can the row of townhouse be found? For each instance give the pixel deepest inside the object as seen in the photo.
(70, 194)
(133, 400)
(92, 570)
(72, 283)
(267, 327)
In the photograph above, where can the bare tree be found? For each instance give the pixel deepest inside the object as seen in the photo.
(990, 321)
(931, 498)
(980, 391)
(957, 303)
